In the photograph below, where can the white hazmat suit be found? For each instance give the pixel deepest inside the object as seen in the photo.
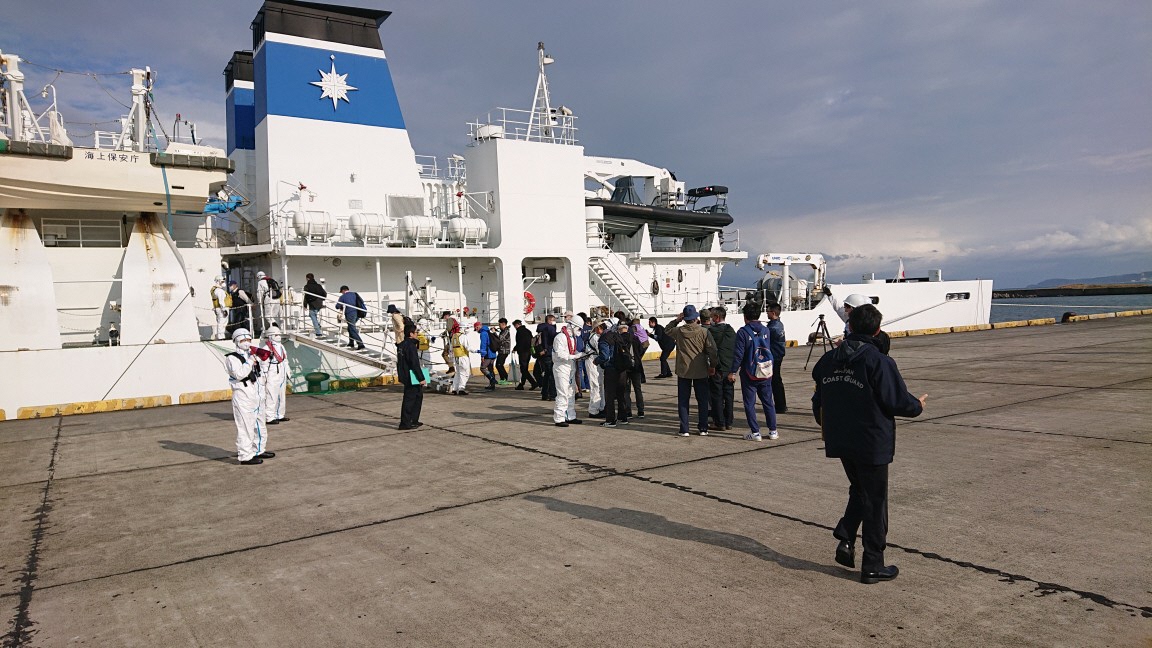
(220, 310)
(274, 372)
(247, 397)
(564, 357)
(463, 363)
(595, 379)
(269, 305)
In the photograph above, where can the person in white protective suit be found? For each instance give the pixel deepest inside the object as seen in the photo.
(461, 362)
(243, 366)
(220, 303)
(269, 305)
(595, 374)
(274, 373)
(567, 350)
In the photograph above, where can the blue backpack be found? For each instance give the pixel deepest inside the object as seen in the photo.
(759, 363)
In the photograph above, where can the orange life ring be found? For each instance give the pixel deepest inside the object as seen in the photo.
(529, 302)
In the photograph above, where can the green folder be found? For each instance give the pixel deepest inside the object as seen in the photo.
(416, 381)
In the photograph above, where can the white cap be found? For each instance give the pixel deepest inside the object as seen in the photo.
(856, 299)
(241, 333)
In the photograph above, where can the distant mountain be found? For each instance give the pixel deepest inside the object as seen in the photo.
(1136, 278)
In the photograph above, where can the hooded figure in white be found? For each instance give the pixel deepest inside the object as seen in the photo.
(274, 372)
(461, 358)
(595, 375)
(566, 348)
(247, 399)
(219, 307)
(269, 305)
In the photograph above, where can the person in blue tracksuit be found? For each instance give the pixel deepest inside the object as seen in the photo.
(753, 341)
(859, 391)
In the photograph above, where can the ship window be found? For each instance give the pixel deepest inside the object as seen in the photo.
(958, 296)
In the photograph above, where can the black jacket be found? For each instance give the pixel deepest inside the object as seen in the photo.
(315, 303)
(725, 338)
(408, 362)
(858, 392)
(523, 339)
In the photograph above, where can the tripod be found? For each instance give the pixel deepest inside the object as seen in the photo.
(821, 334)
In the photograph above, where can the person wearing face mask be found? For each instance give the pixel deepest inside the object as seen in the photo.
(274, 373)
(243, 367)
(567, 349)
(221, 302)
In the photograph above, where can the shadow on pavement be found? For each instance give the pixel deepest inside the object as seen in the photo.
(198, 449)
(662, 526)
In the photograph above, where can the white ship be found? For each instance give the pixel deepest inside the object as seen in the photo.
(108, 257)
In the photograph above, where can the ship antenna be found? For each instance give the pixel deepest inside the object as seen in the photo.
(541, 120)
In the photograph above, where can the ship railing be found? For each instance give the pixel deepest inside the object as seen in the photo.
(375, 326)
(516, 124)
(730, 240)
(619, 270)
(427, 166)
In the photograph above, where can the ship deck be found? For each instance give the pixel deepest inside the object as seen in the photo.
(1019, 507)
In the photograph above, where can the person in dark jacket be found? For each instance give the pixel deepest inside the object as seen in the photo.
(352, 307)
(636, 374)
(667, 346)
(524, 354)
(615, 378)
(778, 344)
(503, 346)
(859, 391)
(314, 295)
(547, 332)
(411, 375)
(722, 389)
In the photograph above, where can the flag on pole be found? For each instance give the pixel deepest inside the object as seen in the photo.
(900, 272)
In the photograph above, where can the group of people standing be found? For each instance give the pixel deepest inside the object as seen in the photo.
(234, 308)
(258, 375)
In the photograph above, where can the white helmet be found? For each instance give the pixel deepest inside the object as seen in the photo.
(241, 334)
(272, 330)
(219, 279)
(856, 299)
(260, 275)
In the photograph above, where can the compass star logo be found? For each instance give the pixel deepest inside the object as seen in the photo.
(335, 86)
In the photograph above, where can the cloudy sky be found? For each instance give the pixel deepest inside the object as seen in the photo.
(1008, 140)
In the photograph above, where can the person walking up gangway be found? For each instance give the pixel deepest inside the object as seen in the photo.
(314, 295)
(353, 308)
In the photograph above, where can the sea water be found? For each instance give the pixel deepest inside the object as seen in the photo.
(1012, 309)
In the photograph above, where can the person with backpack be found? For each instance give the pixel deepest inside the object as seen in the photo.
(546, 331)
(268, 296)
(353, 308)
(635, 350)
(241, 313)
(243, 366)
(696, 360)
(314, 295)
(753, 362)
(488, 355)
(612, 357)
(221, 303)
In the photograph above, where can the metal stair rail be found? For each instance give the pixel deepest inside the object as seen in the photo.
(374, 326)
(616, 280)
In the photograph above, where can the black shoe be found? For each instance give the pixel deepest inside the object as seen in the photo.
(622, 421)
(640, 415)
(846, 554)
(254, 461)
(519, 387)
(599, 415)
(561, 424)
(360, 348)
(490, 388)
(461, 393)
(575, 421)
(782, 411)
(870, 576)
(266, 455)
(417, 424)
(271, 422)
(285, 419)
(406, 427)
(532, 388)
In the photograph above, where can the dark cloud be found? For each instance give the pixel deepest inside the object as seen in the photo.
(979, 137)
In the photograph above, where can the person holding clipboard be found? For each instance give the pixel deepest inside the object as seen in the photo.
(413, 376)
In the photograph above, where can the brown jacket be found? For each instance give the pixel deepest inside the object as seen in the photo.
(695, 350)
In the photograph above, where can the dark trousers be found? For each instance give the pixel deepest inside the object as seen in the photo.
(778, 397)
(354, 333)
(867, 504)
(637, 380)
(684, 388)
(501, 358)
(546, 379)
(410, 408)
(757, 390)
(666, 350)
(486, 370)
(723, 395)
(616, 404)
(525, 357)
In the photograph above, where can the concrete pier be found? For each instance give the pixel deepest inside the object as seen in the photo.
(1020, 516)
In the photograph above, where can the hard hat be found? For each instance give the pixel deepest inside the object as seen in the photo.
(260, 275)
(272, 330)
(856, 299)
(219, 279)
(241, 333)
